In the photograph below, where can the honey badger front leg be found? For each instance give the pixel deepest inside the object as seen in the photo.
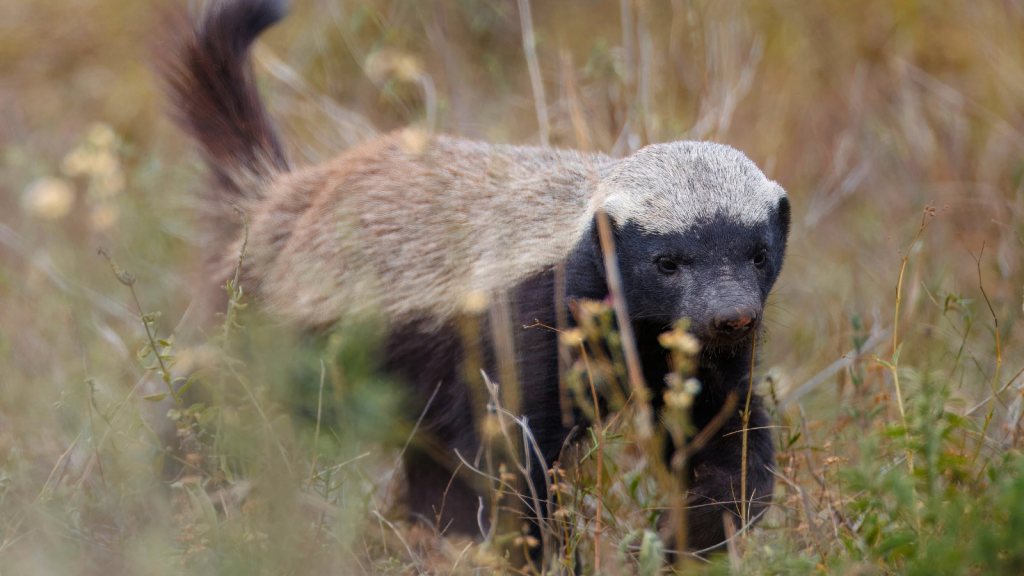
(715, 485)
(714, 480)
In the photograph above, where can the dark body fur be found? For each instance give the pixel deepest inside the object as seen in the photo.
(417, 221)
(423, 356)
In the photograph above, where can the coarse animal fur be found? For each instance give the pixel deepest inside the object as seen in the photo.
(409, 225)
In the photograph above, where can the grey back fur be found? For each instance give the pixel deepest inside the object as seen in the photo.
(409, 225)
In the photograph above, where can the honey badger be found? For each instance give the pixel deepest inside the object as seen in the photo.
(409, 224)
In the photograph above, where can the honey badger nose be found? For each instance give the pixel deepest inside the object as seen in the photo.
(735, 321)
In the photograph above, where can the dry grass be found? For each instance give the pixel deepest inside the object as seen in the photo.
(866, 112)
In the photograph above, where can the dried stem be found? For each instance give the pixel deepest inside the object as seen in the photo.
(894, 365)
(999, 352)
(600, 463)
(564, 358)
(572, 96)
(746, 423)
(633, 370)
(128, 279)
(234, 293)
(530, 47)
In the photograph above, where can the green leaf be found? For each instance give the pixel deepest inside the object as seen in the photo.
(155, 397)
(793, 440)
(184, 387)
(894, 431)
(634, 486)
(226, 470)
(624, 549)
(652, 554)
(897, 540)
(203, 506)
(593, 447)
(207, 415)
(896, 355)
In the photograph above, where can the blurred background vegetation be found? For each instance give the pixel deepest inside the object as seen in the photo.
(865, 112)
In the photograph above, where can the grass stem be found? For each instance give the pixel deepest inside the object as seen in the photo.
(746, 427)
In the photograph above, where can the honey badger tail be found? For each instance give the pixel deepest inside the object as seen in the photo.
(208, 75)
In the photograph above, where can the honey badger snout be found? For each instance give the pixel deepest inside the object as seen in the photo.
(726, 315)
(734, 321)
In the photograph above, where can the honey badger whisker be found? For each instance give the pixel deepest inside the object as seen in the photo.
(421, 230)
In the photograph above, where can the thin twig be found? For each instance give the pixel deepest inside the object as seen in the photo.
(746, 422)
(1001, 390)
(842, 363)
(635, 373)
(530, 48)
(416, 560)
(697, 553)
(894, 364)
(600, 463)
(128, 279)
(43, 263)
(234, 293)
(415, 428)
(707, 432)
(999, 353)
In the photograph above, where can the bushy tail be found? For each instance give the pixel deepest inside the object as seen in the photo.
(208, 76)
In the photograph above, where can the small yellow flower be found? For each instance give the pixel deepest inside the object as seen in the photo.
(561, 487)
(562, 513)
(101, 136)
(415, 140)
(680, 341)
(572, 338)
(48, 198)
(592, 307)
(678, 399)
(76, 162)
(407, 67)
(529, 541)
(474, 302)
(104, 162)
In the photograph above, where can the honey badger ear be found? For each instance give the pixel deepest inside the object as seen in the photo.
(782, 212)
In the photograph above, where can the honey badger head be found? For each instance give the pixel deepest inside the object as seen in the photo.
(700, 234)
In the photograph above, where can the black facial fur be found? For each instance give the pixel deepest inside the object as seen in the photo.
(718, 273)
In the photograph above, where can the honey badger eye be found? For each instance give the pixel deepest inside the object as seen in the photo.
(759, 259)
(667, 265)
